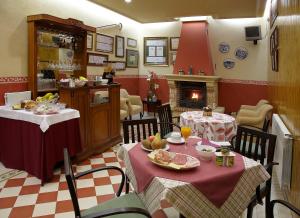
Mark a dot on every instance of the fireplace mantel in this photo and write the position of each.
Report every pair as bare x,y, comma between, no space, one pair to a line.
192,78
211,87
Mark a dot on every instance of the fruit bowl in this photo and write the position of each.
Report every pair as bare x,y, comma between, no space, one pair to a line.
80,83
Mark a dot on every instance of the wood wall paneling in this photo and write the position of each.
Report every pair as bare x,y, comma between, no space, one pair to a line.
284,86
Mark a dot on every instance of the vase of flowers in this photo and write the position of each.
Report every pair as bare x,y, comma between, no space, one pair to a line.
153,85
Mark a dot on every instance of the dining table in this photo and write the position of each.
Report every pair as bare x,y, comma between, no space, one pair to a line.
207,190
34,143
217,127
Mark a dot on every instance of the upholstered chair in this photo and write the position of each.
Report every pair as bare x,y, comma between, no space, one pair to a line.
256,118
124,112
254,107
135,104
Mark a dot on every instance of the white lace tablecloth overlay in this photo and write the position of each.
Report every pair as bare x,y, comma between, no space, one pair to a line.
44,121
188,200
218,127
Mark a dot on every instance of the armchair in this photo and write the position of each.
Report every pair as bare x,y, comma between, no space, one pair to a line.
134,102
255,107
124,111
258,118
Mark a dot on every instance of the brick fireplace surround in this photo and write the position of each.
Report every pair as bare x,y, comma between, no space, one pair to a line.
211,88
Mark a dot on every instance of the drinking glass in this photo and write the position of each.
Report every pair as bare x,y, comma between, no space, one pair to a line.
186,131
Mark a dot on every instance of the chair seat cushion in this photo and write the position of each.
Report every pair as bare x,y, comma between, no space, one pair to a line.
127,200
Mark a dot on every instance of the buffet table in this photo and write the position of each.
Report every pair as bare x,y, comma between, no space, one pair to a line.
205,191
35,143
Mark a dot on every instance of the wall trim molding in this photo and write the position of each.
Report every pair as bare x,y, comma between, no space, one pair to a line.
14,79
250,82
24,79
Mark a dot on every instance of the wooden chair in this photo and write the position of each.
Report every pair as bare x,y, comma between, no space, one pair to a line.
137,130
125,206
254,143
284,203
166,120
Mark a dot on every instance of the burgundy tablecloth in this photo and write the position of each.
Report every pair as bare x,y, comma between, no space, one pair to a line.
216,183
24,146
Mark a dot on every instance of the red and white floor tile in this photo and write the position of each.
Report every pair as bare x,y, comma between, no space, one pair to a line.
23,196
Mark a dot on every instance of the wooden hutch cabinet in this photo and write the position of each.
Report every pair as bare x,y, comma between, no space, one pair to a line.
57,49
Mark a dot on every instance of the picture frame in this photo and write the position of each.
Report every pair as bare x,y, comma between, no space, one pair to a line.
174,42
156,51
132,58
96,59
119,65
172,57
132,43
274,52
104,43
89,41
273,12
120,46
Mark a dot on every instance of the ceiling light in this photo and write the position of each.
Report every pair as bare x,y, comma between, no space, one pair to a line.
127,1
193,18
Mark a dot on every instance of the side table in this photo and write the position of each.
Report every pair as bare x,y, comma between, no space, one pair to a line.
151,105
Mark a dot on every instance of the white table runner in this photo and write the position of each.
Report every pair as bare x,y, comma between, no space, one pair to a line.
44,121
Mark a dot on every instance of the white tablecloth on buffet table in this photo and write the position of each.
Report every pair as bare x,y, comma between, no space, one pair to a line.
44,121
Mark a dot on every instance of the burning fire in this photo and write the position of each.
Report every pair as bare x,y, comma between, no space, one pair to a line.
195,95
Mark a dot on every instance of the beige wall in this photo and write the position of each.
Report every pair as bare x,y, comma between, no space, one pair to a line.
166,29
13,43
254,67
13,15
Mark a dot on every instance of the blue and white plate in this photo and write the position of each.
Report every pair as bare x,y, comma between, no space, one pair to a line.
224,47
241,53
228,63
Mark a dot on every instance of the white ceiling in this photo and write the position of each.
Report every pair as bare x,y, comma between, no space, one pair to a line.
149,11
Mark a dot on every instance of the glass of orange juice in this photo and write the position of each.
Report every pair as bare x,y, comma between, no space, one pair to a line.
186,131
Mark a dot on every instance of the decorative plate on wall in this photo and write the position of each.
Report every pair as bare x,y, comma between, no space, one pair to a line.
224,47
241,53
228,63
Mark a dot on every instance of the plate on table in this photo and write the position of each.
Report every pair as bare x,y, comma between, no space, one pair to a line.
172,141
172,160
166,148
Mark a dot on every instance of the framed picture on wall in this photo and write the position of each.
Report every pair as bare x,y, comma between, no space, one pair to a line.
173,57
156,51
274,49
89,41
104,43
132,58
174,42
95,59
120,47
273,12
131,43
119,65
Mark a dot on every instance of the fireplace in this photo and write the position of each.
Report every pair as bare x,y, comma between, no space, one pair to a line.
192,94
205,88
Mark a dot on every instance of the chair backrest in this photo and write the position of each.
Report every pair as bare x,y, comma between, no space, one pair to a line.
255,144
124,93
165,119
261,102
71,182
137,130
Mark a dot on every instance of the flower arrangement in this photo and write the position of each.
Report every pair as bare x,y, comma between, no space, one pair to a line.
153,85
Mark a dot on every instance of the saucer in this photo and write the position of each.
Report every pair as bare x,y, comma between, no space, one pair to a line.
172,141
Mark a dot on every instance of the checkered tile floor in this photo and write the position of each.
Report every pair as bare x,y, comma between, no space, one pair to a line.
23,195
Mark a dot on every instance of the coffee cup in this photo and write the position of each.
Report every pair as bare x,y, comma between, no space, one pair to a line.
176,136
